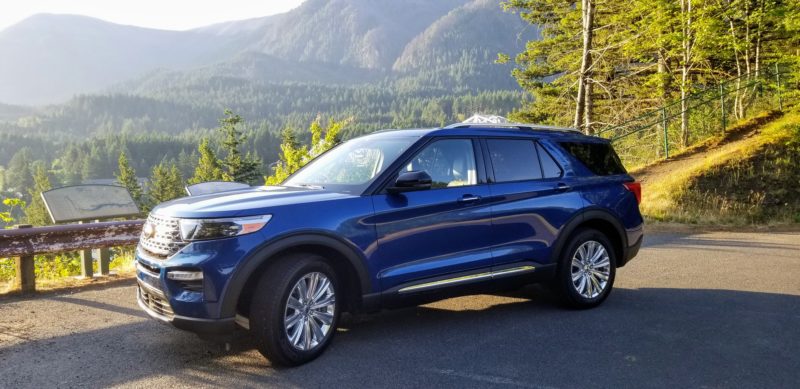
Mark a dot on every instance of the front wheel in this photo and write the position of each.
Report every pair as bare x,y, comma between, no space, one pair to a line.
294,311
586,270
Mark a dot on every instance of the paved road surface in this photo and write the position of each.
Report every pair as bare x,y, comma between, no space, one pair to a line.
703,310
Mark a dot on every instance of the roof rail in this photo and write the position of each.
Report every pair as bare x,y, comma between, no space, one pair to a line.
495,121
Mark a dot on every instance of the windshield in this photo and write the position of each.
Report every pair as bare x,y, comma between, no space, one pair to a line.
351,166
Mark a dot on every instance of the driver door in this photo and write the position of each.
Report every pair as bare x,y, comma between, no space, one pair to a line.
440,233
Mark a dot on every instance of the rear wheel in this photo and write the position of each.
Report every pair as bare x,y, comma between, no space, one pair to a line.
294,312
586,270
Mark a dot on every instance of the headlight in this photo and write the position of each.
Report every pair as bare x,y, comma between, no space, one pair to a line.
205,229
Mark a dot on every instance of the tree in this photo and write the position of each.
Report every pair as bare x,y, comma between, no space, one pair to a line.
18,174
294,156
127,178
235,165
584,102
208,167
166,184
12,204
36,212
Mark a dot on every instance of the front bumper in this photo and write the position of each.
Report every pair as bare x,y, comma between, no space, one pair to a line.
155,304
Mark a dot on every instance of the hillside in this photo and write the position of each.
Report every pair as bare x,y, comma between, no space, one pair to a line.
442,43
749,176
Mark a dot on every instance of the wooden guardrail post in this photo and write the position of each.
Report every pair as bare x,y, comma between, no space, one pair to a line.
103,260
25,281
87,260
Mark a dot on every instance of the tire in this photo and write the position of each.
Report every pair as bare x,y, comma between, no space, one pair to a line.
271,312
573,283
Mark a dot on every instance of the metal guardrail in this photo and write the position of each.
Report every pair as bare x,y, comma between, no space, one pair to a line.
24,241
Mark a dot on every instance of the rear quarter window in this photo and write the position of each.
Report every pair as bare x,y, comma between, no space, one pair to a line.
599,158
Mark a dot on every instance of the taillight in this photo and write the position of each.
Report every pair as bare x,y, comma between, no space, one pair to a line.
636,188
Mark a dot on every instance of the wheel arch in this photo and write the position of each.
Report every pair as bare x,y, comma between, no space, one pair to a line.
349,265
597,219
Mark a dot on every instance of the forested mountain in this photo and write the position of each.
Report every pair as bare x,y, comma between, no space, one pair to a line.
48,58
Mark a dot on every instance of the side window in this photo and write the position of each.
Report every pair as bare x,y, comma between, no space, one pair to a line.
450,163
550,167
599,157
514,160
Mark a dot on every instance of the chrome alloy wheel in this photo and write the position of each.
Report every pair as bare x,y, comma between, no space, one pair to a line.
309,311
591,268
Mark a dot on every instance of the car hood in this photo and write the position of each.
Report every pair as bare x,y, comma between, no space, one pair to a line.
247,202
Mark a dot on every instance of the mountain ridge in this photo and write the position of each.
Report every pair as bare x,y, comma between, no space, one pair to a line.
321,41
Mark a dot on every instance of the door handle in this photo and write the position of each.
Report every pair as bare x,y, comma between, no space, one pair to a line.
562,187
468,198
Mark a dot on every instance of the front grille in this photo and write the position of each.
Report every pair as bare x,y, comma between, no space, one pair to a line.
165,241
155,301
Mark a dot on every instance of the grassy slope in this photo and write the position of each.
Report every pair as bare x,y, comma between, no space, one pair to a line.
749,176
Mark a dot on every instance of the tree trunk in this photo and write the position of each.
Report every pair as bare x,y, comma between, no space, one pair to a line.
583,109
687,43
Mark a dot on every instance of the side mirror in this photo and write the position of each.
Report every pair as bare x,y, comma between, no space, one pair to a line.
411,181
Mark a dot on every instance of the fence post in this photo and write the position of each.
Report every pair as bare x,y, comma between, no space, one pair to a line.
778,86
25,281
86,262
666,134
722,106
103,260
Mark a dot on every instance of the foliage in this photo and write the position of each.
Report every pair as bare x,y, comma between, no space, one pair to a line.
7,216
208,166
647,53
36,213
235,166
294,156
166,184
127,178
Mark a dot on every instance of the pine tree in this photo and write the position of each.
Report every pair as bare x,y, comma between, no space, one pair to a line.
36,212
208,167
235,166
166,183
127,178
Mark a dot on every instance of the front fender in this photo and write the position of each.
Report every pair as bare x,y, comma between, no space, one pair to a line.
234,287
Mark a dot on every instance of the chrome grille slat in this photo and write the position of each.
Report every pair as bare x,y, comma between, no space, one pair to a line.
166,241
156,303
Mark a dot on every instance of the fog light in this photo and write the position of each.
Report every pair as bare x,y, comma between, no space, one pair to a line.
183,275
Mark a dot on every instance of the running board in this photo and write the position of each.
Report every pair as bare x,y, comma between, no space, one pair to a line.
467,278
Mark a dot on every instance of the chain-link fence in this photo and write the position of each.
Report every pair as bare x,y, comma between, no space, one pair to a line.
709,111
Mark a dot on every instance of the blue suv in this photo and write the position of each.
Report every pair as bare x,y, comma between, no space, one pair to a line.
392,218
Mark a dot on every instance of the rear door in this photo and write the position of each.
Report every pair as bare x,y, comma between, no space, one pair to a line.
532,198
440,233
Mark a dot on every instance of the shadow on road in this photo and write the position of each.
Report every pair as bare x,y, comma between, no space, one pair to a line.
639,337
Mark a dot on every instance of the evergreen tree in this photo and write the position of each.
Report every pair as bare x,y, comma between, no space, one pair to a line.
127,178
36,212
294,156
166,183
236,166
18,174
208,167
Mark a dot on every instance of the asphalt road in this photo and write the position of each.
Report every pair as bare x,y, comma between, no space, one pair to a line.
693,310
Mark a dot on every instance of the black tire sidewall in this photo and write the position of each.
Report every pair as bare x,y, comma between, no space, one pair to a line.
566,289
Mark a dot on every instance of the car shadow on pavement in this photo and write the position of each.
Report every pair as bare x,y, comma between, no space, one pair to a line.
652,337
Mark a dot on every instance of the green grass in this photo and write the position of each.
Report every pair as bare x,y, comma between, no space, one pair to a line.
56,271
752,181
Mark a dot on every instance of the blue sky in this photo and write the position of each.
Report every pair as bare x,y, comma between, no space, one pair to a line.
164,14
